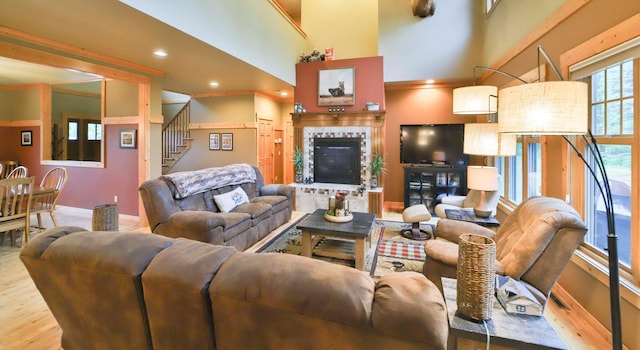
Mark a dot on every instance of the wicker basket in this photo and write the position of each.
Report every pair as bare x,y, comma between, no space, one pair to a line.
105,217
476,276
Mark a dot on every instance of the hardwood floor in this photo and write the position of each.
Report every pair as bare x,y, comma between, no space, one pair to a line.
27,324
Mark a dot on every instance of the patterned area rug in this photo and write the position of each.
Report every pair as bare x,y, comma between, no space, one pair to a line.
389,252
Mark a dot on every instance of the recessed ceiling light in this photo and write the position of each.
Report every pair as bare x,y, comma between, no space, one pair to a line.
160,53
214,84
430,81
284,93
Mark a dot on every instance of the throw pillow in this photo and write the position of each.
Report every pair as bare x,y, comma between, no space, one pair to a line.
227,201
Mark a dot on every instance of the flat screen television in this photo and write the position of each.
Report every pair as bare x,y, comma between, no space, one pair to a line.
434,144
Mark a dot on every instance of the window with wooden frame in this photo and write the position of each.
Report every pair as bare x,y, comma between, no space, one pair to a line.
522,173
614,79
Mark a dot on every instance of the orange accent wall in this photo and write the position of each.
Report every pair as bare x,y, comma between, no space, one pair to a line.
369,82
413,106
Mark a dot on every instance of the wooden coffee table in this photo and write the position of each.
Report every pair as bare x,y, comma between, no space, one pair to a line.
314,227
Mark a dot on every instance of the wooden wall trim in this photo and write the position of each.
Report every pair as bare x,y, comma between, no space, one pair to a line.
287,17
239,125
76,92
144,145
19,123
49,59
244,92
414,85
579,313
121,120
34,39
20,87
156,119
610,38
46,106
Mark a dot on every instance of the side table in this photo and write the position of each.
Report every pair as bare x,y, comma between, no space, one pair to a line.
468,215
506,331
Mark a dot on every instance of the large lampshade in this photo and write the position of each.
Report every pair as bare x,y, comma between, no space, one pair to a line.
483,139
545,108
482,178
477,99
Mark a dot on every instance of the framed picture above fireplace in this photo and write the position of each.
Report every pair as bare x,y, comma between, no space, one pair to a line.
336,87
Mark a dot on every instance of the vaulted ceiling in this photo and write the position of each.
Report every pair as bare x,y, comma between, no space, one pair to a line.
112,28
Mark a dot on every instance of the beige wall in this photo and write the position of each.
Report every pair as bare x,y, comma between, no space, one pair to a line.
444,46
122,98
23,104
223,109
521,17
222,114
350,27
267,108
200,157
253,31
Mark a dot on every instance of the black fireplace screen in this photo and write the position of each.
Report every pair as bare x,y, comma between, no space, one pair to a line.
337,160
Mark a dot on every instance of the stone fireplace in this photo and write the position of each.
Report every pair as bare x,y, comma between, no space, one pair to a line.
343,137
365,127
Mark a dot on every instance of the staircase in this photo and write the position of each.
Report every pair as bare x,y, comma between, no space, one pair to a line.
176,138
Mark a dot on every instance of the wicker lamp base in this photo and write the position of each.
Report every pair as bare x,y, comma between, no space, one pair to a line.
476,276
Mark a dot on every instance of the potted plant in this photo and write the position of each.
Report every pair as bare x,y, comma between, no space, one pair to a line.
376,167
298,163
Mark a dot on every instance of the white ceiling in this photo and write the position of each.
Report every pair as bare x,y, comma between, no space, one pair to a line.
114,29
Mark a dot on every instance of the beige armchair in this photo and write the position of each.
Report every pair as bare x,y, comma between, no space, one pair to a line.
533,245
469,201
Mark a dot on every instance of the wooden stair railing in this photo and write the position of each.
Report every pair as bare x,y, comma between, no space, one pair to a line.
176,138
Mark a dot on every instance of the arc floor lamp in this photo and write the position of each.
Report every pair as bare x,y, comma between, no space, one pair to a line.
552,108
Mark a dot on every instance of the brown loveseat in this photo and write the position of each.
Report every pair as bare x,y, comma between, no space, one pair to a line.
117,290
187,204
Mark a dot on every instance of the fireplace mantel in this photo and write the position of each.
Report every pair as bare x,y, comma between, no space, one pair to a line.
373,119
317,116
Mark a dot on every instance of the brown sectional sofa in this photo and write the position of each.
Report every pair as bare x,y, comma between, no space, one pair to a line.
193,213
117,290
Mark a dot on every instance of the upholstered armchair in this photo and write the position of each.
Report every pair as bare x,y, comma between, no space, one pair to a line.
469,201
533,245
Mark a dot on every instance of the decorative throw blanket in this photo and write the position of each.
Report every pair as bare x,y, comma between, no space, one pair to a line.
197,181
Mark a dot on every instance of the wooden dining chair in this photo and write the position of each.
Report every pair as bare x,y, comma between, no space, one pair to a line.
15,207
50,189
6,167
19,171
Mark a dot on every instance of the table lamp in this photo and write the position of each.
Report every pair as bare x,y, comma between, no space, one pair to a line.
482,178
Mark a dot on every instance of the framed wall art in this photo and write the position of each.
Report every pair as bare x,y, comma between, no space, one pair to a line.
128,138
336,87
26,138
227,142
214,141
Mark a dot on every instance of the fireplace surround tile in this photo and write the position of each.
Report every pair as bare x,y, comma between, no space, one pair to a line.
364,132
